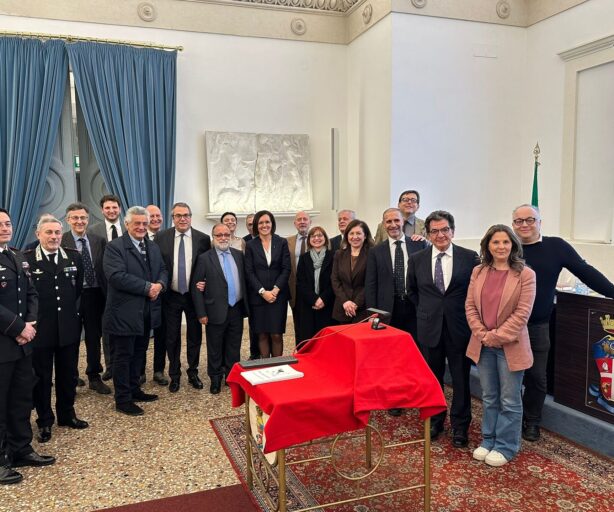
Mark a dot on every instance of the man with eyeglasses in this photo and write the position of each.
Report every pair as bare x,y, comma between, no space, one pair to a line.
547,256
438,278
181,246
409,203
91,247
221,307
18,310
297,245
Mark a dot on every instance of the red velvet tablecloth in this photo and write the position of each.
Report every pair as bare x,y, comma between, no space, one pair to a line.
349,371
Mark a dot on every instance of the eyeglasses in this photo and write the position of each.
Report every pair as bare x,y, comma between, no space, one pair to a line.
411,200
317,235
181,216
222,235
81,217
443,231
529,221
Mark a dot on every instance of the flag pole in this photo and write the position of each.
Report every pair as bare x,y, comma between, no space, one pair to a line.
535,195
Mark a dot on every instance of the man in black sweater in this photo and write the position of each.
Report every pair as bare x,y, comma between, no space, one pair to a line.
547,256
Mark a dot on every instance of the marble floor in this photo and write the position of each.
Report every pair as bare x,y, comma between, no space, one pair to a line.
171,450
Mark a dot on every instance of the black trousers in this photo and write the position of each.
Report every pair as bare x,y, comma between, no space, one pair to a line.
296,321
404,315
174,305
535,378
91,310
159,355
65,360
16,382
128,356
459,365
254,348
224,343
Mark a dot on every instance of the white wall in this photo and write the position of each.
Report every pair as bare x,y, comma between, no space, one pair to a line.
367,182
546,75
457,119
240,84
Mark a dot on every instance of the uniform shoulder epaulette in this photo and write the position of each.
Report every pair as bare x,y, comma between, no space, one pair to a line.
27,251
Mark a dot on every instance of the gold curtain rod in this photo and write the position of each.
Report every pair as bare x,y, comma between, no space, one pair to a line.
91,39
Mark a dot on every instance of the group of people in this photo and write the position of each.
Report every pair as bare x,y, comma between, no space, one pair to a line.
121,282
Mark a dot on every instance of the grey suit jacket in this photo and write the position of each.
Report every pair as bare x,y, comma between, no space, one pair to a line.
97,247
100,230
213,302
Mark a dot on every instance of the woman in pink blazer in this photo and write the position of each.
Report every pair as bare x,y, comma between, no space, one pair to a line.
499,302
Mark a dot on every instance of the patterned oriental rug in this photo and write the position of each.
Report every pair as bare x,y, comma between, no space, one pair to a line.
549,475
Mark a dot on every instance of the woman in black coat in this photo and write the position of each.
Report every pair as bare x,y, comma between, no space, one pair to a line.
267,269
314,292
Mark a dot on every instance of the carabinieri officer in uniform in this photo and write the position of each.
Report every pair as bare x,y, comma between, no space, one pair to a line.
57,273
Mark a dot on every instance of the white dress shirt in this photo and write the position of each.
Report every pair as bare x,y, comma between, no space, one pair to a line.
446,264
108,225
187,243
393,248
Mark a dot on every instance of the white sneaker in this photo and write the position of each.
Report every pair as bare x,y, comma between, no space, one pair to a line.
480,453
495,459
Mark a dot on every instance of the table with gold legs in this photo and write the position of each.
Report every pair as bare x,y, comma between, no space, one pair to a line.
275,467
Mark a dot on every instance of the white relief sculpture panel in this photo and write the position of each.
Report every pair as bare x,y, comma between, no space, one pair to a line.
248,172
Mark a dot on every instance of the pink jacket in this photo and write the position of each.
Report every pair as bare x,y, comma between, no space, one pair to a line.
514,310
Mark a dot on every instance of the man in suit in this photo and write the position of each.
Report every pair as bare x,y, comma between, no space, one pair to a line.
159,357
385,281
297,245
249,225
344,217
18,310
222,306
57,274
136,277
180,247
91,247
438,279
409,203
109,229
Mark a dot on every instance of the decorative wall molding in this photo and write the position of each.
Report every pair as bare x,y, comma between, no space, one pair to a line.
586,49
320,5
146,11
503,9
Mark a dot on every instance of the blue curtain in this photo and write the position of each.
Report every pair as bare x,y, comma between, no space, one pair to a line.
32,84
128,98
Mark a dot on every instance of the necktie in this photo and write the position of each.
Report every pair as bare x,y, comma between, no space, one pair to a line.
439,273
232,291
143,251
398,272
113,232
88,268
303,245
52,260
182,282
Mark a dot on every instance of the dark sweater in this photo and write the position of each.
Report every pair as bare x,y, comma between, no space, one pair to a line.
547,258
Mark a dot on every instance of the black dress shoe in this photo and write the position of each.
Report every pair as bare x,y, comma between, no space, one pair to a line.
129,408
459,438
196,382
173,387
216,385
44,435
144,397
75,423
107,375
531,433
435,431
80,382
100,387
33,459
9,476
395,412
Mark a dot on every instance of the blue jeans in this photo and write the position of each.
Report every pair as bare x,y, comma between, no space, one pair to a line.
502,403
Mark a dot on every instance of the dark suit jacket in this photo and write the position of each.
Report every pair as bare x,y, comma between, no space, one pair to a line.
432,307
379,281
260,275
129,281
18,305
100,229
305,282
165,239
58,322
213,302
335,242
97,245
248,237
348,285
